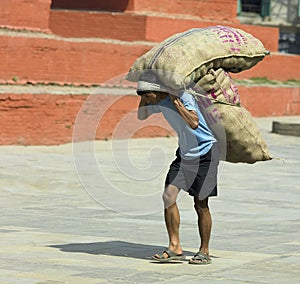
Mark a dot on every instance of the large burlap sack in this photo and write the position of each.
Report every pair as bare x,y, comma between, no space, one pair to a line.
240,140
186,57
243,141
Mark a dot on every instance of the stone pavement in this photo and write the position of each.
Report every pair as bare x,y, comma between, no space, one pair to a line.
56,229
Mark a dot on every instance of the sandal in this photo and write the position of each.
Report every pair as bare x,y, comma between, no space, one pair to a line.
172,256
200,258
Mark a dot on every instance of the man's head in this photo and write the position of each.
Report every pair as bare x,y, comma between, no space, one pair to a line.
151,88
152,97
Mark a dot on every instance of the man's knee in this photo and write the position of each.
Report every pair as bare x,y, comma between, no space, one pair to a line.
170,195
201,205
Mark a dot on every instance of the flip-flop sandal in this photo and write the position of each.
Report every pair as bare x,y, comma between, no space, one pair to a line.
172,256
200,258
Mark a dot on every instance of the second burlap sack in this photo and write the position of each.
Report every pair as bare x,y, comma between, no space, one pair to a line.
239,138
186,57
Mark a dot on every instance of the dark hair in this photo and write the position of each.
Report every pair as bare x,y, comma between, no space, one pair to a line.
140,93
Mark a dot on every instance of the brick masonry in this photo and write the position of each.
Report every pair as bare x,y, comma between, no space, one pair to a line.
141,27
91,48
57,60
206,9
60,60
32,14
49,119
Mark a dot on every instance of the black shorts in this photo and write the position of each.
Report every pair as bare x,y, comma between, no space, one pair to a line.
198,177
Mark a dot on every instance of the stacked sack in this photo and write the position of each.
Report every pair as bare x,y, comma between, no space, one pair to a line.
199,60
186,57
239,137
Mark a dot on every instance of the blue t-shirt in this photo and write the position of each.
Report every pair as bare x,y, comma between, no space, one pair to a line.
193,143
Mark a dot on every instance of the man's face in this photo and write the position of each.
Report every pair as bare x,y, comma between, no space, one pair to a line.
154,97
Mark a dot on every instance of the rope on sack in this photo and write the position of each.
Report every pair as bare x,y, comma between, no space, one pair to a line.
196,94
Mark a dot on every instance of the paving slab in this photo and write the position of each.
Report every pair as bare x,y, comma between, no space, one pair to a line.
62,223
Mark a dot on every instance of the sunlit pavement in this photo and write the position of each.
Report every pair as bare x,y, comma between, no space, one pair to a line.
61,223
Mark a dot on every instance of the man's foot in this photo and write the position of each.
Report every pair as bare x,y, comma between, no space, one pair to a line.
168,256
200,258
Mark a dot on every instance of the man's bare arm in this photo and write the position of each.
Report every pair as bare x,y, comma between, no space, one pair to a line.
190,116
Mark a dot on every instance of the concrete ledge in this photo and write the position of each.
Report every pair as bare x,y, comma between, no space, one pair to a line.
291,129
23,13
212,9
56,59
142,27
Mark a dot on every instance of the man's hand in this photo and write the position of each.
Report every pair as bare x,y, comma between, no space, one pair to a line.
190,116
174,99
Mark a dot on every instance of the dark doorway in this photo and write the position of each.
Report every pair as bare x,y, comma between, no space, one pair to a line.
252,6
92,5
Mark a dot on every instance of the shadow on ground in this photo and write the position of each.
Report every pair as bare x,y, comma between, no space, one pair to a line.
114,248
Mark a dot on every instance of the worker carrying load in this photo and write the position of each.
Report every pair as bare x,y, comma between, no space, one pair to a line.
198,61
186,78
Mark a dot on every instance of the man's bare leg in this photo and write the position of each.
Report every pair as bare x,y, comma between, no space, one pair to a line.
172,218
204,223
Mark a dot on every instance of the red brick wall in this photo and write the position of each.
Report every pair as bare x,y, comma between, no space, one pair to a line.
30,119
206,9
25,14
55,60
48,119
270,101
159,28
278,66
33,119
130,27
121,26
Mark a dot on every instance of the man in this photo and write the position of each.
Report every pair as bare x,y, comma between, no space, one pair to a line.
194,169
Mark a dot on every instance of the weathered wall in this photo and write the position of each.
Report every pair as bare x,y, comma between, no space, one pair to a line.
95,47
93,62
33,119
206,9
56,60
25,14
133,27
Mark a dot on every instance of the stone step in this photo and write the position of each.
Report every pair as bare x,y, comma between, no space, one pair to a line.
46,115
141,27
284,128
278,66
87,24
41,57
206,9
32,14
